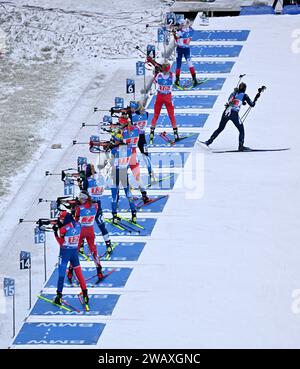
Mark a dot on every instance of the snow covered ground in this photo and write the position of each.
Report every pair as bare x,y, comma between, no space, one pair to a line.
54,49
224,274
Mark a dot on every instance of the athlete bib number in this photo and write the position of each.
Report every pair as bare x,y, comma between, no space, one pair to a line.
87,220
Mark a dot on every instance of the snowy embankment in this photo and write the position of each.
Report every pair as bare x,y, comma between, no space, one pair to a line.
53,52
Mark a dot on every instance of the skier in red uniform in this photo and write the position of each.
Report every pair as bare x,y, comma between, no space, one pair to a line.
85,214
67,233
164,81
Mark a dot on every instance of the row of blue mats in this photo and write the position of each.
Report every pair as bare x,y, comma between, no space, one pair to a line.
103,303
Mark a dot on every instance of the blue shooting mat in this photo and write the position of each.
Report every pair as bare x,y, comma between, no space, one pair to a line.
206,67
221,35
100,304
212,84
117,279
257,10
165,159
158,141
123,205
122,251
216,51
182,120
59,334
189,101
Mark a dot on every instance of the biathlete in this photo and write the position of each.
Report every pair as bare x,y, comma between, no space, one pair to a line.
95,187
164,82
67,233
120,159
85,214
233,106
183,38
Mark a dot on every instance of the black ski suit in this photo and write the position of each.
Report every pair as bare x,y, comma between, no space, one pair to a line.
237,99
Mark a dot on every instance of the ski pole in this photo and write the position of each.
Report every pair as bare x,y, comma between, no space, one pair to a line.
245,115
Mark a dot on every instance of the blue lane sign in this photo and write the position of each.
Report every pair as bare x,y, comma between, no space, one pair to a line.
25,260
39,235
107,119
130,86
81,162
179,17
119,102
170,19
140,68
161,32
54,212
9,287
151,51
69,187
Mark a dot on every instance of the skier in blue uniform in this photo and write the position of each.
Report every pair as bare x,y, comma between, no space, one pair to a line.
95,187
139,118
121,154
235,101
67,233
183,37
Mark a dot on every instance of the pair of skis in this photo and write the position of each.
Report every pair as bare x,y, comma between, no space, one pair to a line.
166,137
189,85
248,149
141,203
66,305
125,224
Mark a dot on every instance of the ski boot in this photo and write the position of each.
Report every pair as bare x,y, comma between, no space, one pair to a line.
99,273
195,82
58,298
145,198
151,135
133,217
207,143
85,296
177,81
152,178
108,247
70,275
115,218
176,136
81,248
243,148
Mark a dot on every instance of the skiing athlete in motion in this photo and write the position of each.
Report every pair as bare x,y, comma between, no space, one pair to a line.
67,233
183,38
233,106
164,83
